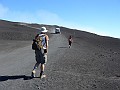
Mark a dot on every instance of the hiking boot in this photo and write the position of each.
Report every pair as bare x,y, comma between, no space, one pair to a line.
33,74
42,76
69,46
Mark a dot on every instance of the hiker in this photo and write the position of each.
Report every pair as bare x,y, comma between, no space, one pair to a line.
41,52
70,40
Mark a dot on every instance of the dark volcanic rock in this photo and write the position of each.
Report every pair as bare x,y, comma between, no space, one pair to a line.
15,31
92,63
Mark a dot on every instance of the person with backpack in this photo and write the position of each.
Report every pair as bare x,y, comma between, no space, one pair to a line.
70,40
40,45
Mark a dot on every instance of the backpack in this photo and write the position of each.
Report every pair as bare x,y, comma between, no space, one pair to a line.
34,45
38,42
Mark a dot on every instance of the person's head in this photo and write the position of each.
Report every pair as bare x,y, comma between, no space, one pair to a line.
70,36
43,30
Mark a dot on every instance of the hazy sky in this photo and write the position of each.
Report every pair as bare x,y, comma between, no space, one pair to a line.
97,16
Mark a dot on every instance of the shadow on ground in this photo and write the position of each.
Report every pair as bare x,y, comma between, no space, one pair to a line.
5,78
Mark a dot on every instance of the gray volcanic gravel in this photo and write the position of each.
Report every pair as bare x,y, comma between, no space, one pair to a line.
92,63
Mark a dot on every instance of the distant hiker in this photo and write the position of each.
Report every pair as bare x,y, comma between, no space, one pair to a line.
41,50
70,40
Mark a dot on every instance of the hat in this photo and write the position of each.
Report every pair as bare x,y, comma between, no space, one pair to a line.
43,29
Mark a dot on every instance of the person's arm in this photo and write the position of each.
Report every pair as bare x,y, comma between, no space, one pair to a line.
71,40
47,39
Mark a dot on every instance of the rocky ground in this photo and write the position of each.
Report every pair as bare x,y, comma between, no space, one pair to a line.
92,63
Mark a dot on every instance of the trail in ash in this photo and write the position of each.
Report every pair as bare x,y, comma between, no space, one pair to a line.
76,68
16,66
